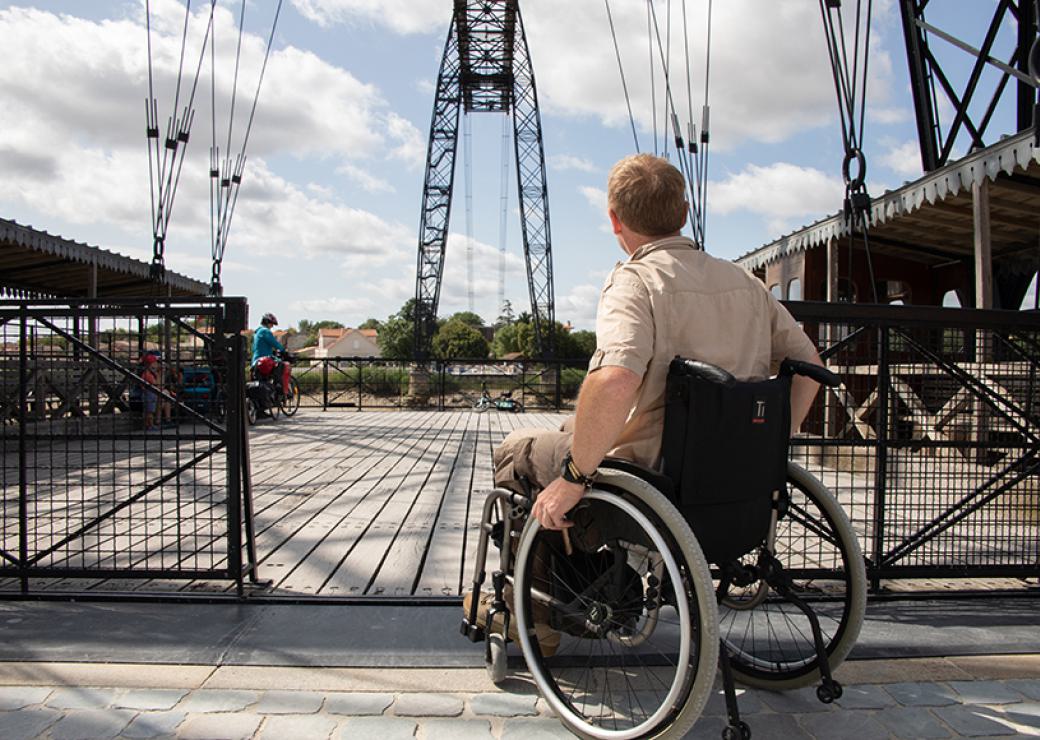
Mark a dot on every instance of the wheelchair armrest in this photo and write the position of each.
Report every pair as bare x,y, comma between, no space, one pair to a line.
703,370
818,373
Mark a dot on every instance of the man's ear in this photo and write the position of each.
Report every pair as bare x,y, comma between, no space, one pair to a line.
615,222
686,209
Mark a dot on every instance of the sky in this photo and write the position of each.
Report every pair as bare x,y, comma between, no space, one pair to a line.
327,217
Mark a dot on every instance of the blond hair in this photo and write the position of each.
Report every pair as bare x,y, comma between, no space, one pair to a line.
648,194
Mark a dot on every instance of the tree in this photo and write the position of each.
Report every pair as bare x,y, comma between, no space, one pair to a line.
397,334
371,324
310,329
469,318
507,316
458,340
585,343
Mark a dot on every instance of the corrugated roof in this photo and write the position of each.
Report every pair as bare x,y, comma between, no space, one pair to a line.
1011,157
35,263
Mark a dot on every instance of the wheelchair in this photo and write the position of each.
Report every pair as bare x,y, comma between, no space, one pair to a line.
732,558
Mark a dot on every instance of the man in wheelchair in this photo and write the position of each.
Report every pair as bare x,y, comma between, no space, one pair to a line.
594,565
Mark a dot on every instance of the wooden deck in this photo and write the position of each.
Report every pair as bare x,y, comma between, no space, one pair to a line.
348,504
374,504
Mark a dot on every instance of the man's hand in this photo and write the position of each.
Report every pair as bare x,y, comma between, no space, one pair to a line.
555,500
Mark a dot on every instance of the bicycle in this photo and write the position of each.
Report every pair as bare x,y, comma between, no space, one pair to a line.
504,402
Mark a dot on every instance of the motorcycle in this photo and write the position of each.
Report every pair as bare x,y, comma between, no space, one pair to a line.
264,395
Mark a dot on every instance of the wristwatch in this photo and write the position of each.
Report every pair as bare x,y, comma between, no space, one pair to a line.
571,474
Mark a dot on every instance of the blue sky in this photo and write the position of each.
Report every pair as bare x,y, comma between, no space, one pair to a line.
327,220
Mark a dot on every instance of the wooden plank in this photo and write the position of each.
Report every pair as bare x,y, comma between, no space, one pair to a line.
385,512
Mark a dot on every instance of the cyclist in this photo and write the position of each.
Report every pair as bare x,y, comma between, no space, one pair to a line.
266,345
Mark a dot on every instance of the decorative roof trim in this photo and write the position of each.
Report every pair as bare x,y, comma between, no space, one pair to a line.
1007,156
41,241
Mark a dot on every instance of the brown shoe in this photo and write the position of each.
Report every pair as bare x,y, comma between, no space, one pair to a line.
548,638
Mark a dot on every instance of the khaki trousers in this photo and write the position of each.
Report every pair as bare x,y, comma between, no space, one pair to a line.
535,454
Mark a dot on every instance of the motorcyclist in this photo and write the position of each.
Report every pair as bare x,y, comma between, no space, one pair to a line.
266,345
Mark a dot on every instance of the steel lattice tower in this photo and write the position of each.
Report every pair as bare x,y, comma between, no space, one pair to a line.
486,67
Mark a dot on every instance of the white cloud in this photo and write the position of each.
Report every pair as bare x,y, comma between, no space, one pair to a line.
578,305
597,197
903,159
781,192
402,16
570,162
369,182
352,306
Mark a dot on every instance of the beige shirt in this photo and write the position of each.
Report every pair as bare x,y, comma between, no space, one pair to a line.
671,299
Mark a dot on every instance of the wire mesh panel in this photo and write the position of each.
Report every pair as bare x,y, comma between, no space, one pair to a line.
118,456
931,441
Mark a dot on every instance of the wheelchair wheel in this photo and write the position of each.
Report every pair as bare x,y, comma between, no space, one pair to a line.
496,661
632,603
770,639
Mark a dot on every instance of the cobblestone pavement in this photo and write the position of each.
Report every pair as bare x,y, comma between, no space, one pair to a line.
913,699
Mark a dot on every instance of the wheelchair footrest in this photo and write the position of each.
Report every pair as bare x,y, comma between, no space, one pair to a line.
472,632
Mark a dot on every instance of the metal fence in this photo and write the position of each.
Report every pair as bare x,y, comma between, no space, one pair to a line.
931,442
372,383
88,491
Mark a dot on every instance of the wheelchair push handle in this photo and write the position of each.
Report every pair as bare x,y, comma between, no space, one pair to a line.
819,373
702,370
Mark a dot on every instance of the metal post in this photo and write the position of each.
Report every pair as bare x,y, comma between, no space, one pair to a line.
23,482
234,436
360,384
559,380
880,459
325,384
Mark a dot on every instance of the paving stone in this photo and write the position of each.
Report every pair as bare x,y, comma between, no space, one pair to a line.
504,705
149,700
383,728
1028,687
427,705
851,725
91,724
17,697
289,702
985,692
534,729
748,702
865,697
237,726
310,726
83,698
920,694
457,729
973,721
358,705
912,723
799,701
217,700
763,727
154,724
27,723
1026,714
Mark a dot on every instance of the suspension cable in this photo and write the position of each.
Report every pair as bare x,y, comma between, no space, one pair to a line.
467,162
504,214
653,91
621,69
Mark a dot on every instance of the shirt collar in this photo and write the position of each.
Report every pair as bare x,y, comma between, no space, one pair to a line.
668,242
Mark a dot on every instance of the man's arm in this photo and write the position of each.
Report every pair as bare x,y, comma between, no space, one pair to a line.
803,391
605,400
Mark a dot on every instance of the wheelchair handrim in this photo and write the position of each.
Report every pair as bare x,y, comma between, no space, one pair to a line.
682,606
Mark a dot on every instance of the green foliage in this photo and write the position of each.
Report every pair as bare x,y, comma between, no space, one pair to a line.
397,334
458,340
507,316
519,337
585,344
469,318
371,324
310,329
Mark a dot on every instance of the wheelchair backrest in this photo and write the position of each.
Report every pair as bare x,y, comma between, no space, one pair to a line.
725,448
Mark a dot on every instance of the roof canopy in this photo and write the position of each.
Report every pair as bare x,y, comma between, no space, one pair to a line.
37,264
931,220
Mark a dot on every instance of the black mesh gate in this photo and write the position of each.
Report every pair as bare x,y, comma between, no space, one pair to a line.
123,441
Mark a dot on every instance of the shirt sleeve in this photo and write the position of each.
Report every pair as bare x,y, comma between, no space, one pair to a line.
624,326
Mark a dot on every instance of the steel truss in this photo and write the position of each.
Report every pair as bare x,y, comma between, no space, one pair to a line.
937,141
486,67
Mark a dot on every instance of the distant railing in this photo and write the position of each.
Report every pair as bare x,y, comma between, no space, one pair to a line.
373,383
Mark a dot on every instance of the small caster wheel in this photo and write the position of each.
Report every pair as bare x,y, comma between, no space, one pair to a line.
745,730
496,658
828,692
729,732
